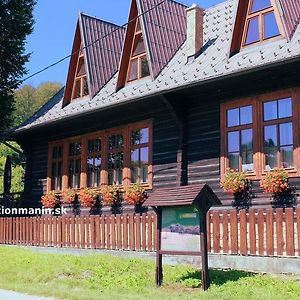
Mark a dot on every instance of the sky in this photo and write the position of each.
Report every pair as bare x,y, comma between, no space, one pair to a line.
54,30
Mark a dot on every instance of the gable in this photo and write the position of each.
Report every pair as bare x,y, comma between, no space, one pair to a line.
162,37
101,44
262,20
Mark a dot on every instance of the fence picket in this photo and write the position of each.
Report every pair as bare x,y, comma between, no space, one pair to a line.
233,232
261,232
216,231
243,232
289,223
279,231
252,232
270,232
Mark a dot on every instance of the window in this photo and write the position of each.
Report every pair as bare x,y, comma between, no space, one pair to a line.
115,159
115,156
80,87
240,138
139,155
278,134
138,64
260,134
56,167
93,162
261,22
74,164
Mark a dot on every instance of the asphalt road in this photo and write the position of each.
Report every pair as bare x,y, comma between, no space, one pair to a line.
8,295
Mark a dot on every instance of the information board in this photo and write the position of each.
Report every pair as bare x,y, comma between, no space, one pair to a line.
180,229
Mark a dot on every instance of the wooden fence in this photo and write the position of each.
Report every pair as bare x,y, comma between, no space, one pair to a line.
262,232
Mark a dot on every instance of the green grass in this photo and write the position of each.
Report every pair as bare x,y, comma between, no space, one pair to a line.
107,277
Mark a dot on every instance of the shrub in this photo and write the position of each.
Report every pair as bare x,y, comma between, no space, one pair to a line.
69,196
110,194
235,182
87,197
50,200
135,194
276,181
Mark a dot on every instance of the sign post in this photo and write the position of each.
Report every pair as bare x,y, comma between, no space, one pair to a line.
181,224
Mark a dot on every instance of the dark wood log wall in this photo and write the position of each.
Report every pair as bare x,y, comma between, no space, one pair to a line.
203,123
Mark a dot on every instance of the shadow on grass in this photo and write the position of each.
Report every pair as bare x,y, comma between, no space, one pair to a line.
217,277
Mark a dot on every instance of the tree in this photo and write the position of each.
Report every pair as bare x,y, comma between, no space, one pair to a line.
17,167
29,99
16,22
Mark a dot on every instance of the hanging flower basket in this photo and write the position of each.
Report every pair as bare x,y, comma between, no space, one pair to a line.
50,200
110,195
69,196
135,194
87,197
240,186
276,183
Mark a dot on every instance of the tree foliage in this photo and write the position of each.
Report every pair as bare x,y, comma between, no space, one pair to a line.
16,22
17,167
29,99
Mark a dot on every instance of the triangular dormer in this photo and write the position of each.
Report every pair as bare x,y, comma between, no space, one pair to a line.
138,66
151,40
95,57
257,21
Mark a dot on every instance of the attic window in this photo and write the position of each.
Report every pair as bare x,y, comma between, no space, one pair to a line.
80,87
261,22
138,63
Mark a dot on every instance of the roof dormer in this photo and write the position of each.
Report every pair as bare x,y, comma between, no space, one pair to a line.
95,57
259,21
151,38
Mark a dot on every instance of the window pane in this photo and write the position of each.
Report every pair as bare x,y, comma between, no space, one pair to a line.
89,167
271,147
133,70
85,87
97,170
285,108
134,165
77,173
145,155
234,161
233,141
286,134
246,115
233,118
270,26
140,136
247,150
259,5
144,173
252,31
77,89
145,71
53,176
81,67
286,156
59,176
270,110
140,47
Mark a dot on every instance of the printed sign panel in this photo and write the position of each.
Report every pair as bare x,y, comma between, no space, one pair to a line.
180,229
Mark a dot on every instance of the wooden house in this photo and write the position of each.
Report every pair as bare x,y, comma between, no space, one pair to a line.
176,98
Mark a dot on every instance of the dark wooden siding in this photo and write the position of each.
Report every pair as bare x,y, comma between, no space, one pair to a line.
165,141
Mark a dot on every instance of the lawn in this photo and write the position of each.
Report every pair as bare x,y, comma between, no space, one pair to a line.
107,277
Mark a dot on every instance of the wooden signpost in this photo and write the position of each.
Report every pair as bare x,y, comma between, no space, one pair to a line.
181,224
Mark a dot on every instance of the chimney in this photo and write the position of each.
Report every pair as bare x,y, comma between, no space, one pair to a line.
194,30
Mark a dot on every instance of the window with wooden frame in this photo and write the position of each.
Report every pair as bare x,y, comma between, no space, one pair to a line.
138,64
239,132
140,154
262,22
115,160
56,167
94,162
261,134
74,163
119,156
80,86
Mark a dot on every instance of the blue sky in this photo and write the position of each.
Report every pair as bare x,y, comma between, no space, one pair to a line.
54,29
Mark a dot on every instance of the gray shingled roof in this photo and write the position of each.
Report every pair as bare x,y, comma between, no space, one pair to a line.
214,62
